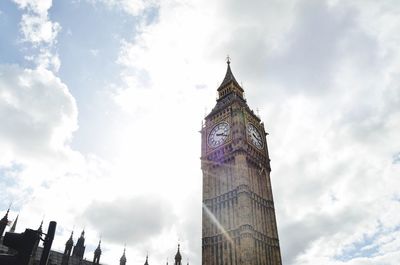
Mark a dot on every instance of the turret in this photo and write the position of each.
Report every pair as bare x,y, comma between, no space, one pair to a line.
178,257
79,249
97,254
122,260
68,250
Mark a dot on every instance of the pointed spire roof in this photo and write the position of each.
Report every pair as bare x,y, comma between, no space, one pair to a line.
5,217
81,240
229,77
40,229
14,226
147,260
178,256
123,257
98,249
70,240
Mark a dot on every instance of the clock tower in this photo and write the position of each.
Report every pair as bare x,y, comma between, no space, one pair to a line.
239,225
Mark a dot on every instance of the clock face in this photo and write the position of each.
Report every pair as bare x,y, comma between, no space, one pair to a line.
254,136
218,134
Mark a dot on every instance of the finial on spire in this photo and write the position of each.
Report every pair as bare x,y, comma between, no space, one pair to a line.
228,59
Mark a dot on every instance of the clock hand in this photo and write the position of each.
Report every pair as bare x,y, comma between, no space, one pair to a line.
221,134
256,137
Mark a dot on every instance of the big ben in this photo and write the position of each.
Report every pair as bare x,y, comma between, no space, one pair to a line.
238,222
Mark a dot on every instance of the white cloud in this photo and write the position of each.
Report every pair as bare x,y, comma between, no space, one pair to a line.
38,29
40,7
38,112
132,7
40,32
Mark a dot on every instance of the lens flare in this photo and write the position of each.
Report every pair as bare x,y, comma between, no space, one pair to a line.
217,223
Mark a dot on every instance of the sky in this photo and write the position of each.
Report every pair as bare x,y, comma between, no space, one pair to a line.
101,103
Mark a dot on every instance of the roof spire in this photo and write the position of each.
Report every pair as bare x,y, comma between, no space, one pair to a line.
41,226
178,256
229,78
70,241
8,211
98,249
14,226
122,260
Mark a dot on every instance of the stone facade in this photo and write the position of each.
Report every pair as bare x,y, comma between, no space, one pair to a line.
239,226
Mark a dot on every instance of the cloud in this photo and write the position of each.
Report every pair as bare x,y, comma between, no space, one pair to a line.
133,221
39,116
39,32
134,8
38,113
327,88
38,29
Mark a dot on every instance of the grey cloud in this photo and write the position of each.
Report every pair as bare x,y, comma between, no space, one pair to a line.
312,46
133,221
299,235
311,39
